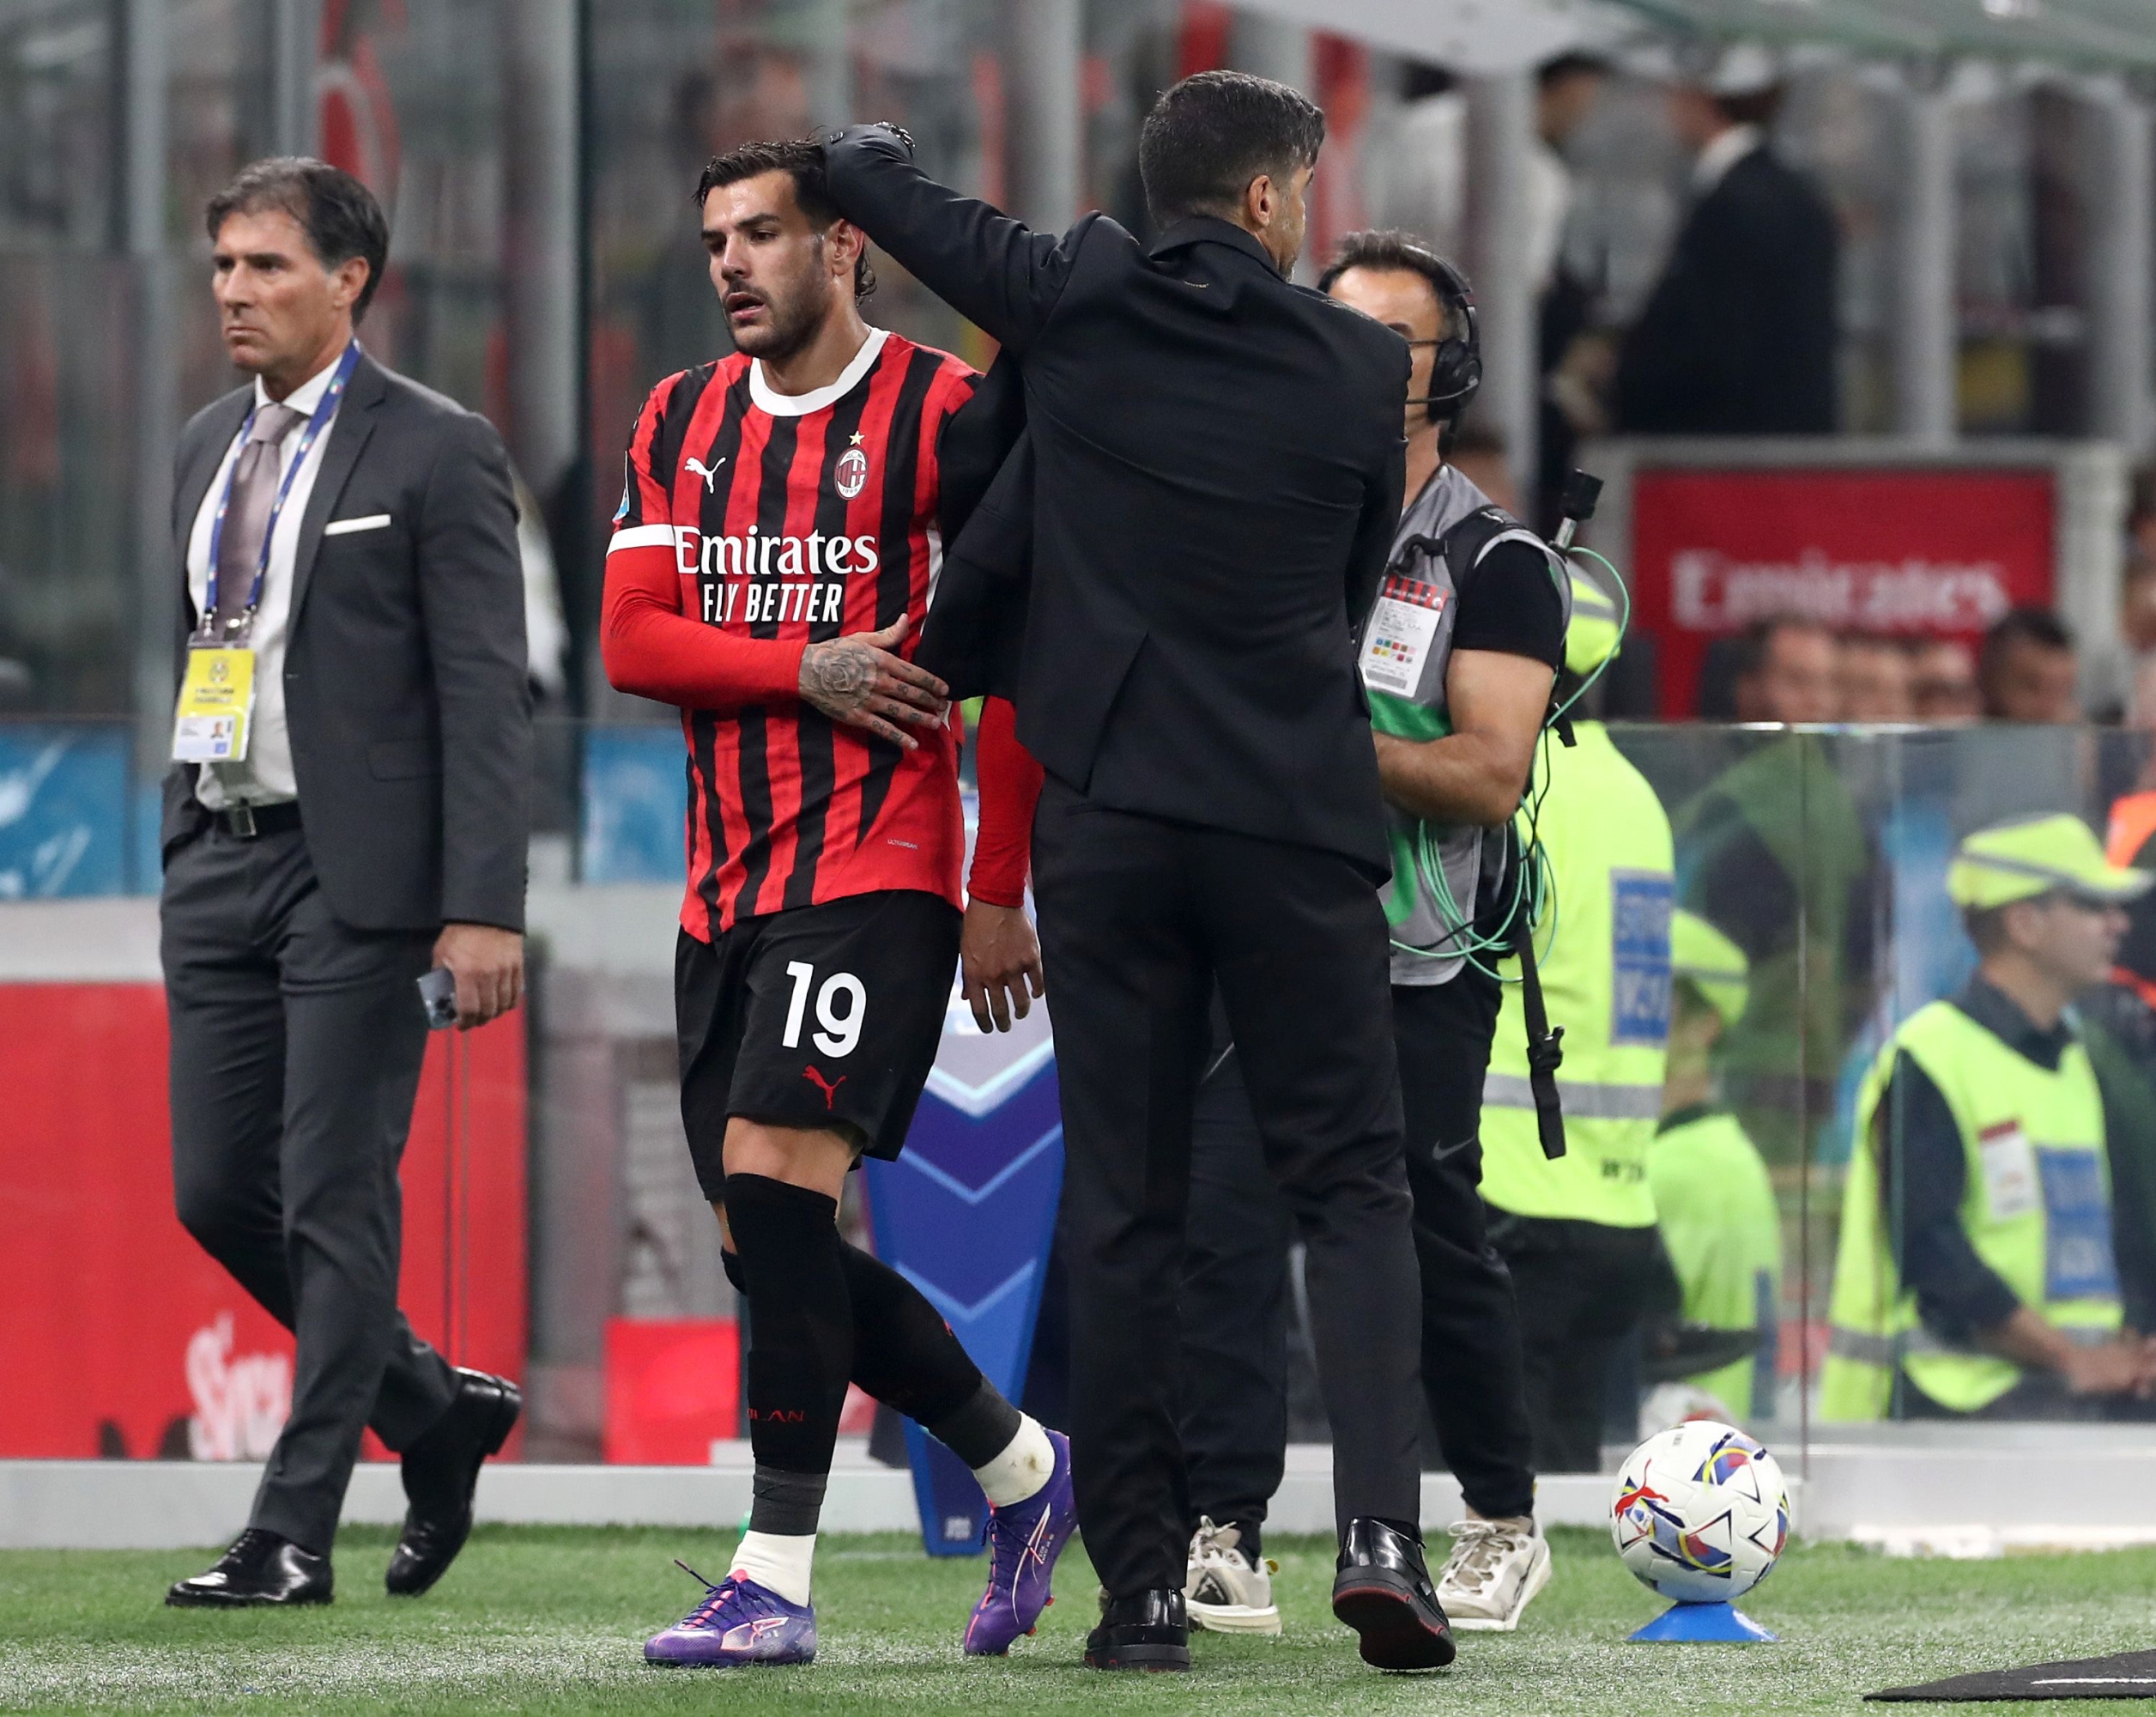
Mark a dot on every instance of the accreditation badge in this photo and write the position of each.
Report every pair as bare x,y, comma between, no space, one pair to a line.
216,706
1402,627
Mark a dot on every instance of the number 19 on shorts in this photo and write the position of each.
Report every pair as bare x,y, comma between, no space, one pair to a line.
841,1031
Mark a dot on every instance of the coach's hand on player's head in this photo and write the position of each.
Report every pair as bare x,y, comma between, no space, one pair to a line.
861,681
488,966
998,959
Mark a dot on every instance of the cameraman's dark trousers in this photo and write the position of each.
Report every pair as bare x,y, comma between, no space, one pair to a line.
1139,917
1235,1285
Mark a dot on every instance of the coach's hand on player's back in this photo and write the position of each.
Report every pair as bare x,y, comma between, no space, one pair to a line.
861,681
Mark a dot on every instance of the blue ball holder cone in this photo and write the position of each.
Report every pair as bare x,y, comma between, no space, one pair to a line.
1704,1624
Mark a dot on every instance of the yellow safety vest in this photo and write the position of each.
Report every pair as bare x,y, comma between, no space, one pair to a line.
1716,1206
2036,1206
1606,978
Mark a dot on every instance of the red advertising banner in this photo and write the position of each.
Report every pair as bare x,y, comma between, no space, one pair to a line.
1916,552
123,1338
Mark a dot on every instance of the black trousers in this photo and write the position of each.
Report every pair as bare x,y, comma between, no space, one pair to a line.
1139,918
1235,1286
1582,1289
296,1046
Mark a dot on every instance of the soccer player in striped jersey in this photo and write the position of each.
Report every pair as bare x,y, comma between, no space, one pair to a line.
774,555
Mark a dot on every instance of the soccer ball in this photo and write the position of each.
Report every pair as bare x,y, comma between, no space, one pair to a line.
1700,1513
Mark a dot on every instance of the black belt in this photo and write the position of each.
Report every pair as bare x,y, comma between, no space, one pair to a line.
246,821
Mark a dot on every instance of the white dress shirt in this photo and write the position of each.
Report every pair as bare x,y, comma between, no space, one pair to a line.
1713,163
266,777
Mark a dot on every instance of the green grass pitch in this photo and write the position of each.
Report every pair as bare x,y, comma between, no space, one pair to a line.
537,1619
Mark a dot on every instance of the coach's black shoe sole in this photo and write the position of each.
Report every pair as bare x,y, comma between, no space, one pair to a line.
1400,1629
1155,1650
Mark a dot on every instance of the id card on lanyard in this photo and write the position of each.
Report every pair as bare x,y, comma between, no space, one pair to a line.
215,717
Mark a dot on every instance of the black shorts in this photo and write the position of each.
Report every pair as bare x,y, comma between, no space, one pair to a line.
819,1017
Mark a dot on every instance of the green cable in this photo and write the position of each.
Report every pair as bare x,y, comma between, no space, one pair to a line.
1530,875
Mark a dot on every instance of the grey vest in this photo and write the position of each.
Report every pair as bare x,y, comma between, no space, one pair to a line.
1404,651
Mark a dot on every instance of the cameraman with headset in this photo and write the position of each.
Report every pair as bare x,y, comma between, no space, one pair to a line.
1459,657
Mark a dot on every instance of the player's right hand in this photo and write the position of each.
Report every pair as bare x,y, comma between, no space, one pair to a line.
861,681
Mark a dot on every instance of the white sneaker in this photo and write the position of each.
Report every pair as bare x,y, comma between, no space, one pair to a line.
1224,1591
1496,1567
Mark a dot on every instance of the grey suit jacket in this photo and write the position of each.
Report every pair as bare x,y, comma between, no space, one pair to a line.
404,682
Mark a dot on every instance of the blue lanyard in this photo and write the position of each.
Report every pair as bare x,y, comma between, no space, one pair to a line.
324,412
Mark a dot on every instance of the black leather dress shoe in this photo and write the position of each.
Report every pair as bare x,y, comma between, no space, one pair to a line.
1382,1591
260,1568
1148,1629
441,1472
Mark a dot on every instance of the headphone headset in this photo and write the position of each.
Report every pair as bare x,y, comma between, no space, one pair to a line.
1455,369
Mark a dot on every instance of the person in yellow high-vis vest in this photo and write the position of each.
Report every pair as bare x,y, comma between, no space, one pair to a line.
1714,1201
1579,1233
1977,1273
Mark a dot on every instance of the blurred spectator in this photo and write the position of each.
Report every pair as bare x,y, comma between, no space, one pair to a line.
2027,671
1877,678
2137,633
1565,91
1980,1272
2141,519
1776,855
1943,683
1739,336
1786,669
1713,1201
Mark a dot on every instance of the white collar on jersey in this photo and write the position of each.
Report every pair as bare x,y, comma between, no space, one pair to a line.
766,398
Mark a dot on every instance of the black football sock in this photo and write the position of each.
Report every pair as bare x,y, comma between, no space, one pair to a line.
801,1343
905,1357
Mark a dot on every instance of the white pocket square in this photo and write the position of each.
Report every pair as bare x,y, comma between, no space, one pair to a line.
343,527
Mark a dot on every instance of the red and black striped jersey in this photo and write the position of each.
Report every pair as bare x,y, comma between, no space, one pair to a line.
752,524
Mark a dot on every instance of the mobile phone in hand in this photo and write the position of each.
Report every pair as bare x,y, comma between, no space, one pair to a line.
437,995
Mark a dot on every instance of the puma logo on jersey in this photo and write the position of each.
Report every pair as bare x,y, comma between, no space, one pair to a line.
829,1088
709,473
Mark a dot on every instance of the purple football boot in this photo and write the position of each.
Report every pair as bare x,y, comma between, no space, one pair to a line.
739,1622
1024,1541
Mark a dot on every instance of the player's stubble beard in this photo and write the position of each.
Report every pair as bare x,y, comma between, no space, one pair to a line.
797,311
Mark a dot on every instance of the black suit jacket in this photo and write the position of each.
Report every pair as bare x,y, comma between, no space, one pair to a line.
405,692
1217,464
1738,337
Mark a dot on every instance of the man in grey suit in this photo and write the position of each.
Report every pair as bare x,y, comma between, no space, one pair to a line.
348,542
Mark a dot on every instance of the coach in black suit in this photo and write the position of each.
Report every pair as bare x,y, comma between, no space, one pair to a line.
1738,337
357,533
1217,471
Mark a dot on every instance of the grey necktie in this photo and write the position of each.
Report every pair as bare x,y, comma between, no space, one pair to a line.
254,491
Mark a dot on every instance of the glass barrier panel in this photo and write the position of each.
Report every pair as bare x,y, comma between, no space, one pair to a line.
1900,1123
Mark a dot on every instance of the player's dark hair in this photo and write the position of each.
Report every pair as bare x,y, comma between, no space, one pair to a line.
801,161
1210,136
338,214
